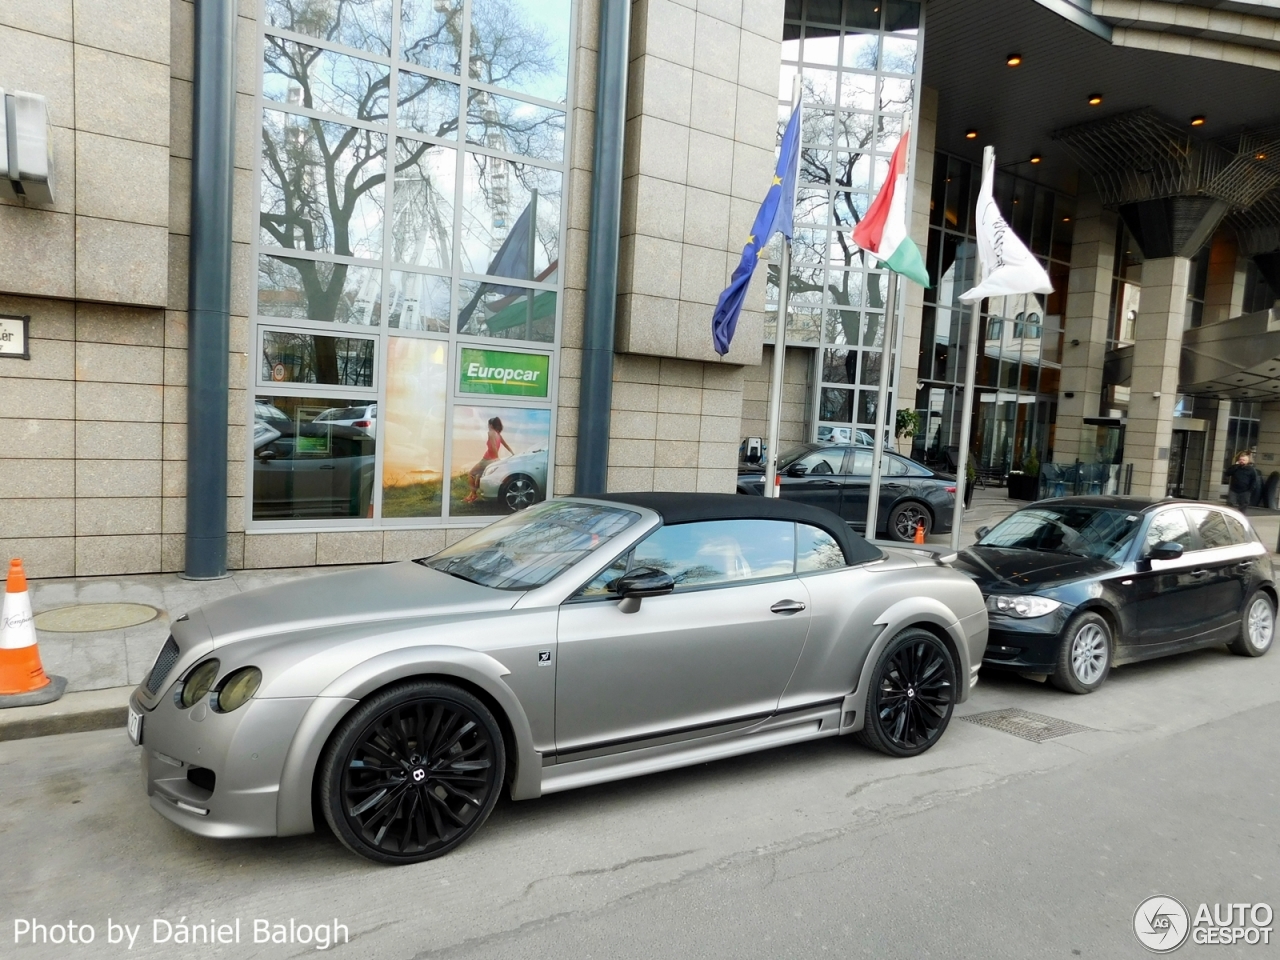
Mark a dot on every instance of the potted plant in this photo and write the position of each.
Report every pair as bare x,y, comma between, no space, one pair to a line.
1024,479
906,425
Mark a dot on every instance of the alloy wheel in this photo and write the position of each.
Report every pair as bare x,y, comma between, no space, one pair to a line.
417,778
914,694
520,493
1088,653
1262,623
907,519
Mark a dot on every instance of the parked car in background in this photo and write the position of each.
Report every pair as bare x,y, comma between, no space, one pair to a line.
838,478
574,643
310,470
362,418
516,482
1078,585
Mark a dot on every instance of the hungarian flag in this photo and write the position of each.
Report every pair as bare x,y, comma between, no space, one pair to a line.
883,231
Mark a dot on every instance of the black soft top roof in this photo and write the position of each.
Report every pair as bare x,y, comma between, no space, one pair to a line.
686,507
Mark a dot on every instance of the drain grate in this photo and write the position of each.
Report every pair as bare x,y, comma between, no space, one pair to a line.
1029,726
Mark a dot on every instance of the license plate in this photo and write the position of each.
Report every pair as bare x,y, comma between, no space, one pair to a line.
135,726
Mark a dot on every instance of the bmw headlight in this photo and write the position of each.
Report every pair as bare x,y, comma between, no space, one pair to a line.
235,691
199,682
1022,607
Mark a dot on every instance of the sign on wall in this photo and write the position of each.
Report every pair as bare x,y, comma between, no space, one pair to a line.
502,373
15,337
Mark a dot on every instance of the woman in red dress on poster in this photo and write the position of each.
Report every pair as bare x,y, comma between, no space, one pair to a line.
492,448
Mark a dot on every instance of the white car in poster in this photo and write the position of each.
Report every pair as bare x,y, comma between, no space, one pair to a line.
516,482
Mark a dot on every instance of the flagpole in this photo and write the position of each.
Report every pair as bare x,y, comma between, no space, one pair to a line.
780,338
970,372
882,404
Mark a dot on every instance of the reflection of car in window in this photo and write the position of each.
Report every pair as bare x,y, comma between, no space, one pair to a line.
310,470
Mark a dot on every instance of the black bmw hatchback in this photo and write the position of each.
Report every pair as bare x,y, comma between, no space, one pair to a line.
1077,585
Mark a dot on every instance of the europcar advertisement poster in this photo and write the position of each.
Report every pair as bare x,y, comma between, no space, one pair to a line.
499,459
413,465
503,373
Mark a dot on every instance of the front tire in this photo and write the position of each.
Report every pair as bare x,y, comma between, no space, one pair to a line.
518,492
412,772
912,694
1257,627
905,517
1084,657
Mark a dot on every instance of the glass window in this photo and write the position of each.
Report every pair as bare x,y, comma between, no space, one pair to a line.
1169,526
1212,527
1239,532
307,463
422,228
431,34
362,24
893,467
510,219
294,357
861,463
297,289
719,551
515,126
522,45
427,105
602,586
418,301
322,80
823,462
1078,530
530,548
413,467
816,550
506,312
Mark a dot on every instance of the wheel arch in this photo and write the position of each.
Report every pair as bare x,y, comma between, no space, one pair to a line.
471,670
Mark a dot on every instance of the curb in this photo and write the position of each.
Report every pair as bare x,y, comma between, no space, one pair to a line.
74,713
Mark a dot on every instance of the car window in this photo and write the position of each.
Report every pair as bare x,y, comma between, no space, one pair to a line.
861,463
1084,531
816,550
893,467
529,548
1170,526
1212,527
708,552
601,585
824,462
1239,532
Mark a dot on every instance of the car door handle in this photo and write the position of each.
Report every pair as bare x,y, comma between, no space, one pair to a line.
1200,573
787,606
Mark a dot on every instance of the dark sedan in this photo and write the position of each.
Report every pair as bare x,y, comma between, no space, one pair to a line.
838,478
1077,585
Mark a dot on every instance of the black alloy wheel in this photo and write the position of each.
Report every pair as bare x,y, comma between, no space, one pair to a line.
912,694
412,772
905,517
518,492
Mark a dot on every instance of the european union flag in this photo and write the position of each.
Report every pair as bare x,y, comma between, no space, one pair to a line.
775,216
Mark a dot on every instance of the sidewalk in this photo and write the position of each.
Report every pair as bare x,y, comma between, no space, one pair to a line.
102,666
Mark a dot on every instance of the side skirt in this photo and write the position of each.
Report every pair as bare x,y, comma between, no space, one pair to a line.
809,723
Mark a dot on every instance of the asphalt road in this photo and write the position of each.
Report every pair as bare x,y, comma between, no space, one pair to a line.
988,846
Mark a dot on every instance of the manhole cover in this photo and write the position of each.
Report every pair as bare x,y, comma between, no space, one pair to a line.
93,617
1027,725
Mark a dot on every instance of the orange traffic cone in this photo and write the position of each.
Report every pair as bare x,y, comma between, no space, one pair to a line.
919,537
23,681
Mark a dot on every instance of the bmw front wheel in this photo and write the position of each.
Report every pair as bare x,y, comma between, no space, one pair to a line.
1084,657
1257,627
412,772
913,691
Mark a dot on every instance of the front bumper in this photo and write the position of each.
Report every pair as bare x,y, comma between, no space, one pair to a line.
218,775
1029,646
489,485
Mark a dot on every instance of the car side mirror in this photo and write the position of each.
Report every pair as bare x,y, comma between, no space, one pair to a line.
640,583
981,532
797,470
265,455
1165,550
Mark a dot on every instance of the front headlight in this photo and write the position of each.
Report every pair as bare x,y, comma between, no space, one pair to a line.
491,468
199,682
236,690
1022,607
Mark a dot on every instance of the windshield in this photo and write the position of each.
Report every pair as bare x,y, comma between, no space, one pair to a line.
1080,531
529,548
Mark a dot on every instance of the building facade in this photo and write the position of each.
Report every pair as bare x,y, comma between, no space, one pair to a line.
411,233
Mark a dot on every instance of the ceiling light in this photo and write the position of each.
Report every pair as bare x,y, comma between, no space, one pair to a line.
1066,219
1095,99
1197,120
971,134
1259,156
1013,59
1036,158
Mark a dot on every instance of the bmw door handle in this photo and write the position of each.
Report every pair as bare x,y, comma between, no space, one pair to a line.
787,606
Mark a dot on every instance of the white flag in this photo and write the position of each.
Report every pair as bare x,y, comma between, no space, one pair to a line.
1008,267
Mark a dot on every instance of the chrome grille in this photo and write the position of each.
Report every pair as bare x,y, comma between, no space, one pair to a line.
164,663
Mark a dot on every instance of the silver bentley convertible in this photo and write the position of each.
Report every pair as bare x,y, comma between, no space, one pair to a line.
579,641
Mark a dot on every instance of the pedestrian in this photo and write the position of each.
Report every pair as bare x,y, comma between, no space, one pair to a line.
492,447
1244,483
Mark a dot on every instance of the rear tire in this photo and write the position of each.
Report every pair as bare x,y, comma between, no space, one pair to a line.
904,518
1257,626
412,772
1084,656
913,691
